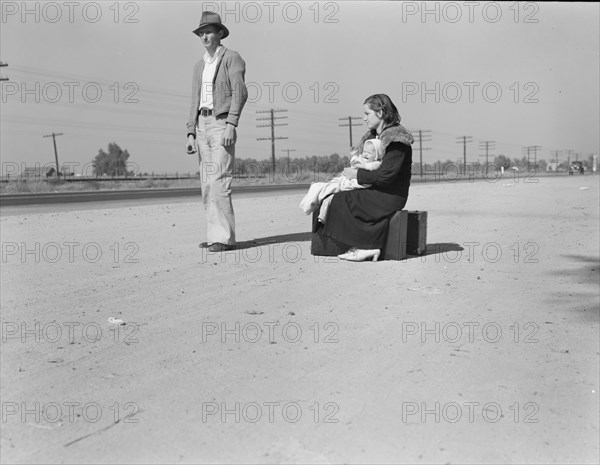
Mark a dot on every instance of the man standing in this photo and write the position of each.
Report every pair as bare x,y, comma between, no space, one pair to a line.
218,97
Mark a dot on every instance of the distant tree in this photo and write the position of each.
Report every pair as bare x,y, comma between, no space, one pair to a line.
525,162
502,161
542,165
113,163
336,162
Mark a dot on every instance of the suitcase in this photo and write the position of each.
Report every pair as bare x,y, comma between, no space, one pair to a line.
416,235
395,243
407,235
323,245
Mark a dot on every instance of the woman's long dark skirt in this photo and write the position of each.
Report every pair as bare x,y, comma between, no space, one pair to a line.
360,218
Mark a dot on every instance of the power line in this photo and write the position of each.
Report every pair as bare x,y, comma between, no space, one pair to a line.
170,100
350,124
53,135
272,118
164,104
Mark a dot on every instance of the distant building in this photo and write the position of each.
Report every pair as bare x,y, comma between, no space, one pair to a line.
52,172
39,172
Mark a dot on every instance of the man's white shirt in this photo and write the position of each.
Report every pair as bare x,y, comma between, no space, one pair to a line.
208,75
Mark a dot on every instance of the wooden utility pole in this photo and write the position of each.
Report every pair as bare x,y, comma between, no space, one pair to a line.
535,149
288,153
464,141
422,133
350,124
489,145
529,149
272,124
53,135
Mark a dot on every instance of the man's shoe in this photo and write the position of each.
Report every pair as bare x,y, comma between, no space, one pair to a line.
218,247
204,245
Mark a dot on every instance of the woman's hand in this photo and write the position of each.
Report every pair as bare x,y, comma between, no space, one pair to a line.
359,164
350,173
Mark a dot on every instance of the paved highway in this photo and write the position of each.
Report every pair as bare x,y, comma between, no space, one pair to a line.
8,200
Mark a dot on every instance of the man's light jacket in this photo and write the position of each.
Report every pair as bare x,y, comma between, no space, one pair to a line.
229,89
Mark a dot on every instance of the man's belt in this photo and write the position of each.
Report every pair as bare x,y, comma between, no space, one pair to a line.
205,112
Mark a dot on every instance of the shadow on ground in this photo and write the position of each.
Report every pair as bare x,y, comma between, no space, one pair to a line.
437,248
587,273
442,247
582,297
431,249
295,237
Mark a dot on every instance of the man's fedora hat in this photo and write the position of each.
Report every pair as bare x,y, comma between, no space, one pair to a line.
211,19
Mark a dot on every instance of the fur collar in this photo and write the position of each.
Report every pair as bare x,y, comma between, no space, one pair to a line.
391,134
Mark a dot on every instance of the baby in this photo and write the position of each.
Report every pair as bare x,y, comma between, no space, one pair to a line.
320,192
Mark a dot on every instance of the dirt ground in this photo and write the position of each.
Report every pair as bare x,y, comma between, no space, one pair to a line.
483,351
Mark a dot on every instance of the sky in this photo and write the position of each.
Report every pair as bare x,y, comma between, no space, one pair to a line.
515,74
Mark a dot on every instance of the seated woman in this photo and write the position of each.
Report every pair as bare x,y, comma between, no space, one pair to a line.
360,218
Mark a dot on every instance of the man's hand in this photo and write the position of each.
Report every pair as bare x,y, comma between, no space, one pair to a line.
350,173
228,135
191,145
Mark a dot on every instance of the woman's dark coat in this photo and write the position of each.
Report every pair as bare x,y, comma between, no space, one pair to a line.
360,218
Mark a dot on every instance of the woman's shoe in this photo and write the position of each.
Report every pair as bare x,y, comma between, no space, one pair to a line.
351,253
360,255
